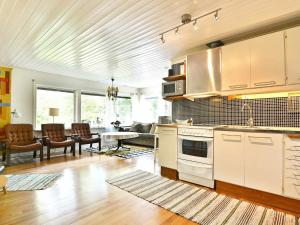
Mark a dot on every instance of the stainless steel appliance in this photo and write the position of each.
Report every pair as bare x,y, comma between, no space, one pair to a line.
195,154
173,88
203,77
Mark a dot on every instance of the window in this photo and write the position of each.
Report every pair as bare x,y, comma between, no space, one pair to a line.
51,98
124,110
151,109
93,109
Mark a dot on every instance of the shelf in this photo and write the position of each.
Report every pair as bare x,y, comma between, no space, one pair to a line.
175,77
174,98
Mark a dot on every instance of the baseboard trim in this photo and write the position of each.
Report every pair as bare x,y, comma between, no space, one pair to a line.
263,198
169,173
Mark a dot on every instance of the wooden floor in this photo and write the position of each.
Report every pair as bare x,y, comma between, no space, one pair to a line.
82,196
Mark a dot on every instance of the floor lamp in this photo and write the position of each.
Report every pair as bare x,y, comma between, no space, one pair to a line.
15,115
53,112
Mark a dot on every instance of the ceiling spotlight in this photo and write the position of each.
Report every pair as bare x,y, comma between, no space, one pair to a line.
162,39
217,15
195,25
187,19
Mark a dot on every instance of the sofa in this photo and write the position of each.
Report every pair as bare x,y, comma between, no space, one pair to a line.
146,134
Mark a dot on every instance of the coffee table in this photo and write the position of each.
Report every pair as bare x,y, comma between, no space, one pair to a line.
119,136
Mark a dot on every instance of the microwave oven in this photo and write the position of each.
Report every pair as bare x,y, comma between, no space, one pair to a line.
173,88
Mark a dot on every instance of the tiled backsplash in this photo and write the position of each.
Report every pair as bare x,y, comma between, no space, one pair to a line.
219,110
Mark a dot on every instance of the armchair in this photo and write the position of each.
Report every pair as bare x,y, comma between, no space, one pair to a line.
54,137
84,135
19,138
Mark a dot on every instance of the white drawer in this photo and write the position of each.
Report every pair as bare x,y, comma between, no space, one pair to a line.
291,141
196,169
291,188
292,151
291,164
292,173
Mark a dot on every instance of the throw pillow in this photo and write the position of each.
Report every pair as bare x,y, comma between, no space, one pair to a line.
146,127
152,131
135,127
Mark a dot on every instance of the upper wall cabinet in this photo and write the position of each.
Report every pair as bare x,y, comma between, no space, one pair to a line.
267,60
236,66
293,55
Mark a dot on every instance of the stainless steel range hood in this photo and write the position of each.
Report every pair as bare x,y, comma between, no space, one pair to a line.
203,78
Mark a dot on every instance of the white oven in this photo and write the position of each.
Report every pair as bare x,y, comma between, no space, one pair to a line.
195,155
195,149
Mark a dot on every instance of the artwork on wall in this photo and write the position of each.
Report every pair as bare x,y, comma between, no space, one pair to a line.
5,98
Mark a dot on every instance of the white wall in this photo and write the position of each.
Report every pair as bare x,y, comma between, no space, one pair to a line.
22,89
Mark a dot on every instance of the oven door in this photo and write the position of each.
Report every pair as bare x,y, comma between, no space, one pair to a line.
197,149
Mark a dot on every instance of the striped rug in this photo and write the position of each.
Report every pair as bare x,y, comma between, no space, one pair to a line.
199,205
30,182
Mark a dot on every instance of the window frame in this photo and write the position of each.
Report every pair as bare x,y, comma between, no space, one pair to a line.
37,87
91,93
124,97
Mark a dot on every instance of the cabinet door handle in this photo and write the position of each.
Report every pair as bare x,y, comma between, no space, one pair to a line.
239,86
231,137
267,83
298,185
260,140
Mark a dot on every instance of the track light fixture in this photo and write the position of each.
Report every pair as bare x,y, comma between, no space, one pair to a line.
195,25
186,19
162,39
216,15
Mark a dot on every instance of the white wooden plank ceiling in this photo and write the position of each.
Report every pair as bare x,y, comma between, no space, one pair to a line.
98,39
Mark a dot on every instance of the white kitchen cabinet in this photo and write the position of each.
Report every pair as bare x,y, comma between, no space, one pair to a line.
236,66
167,153
264,162
229,157
292,48
267,60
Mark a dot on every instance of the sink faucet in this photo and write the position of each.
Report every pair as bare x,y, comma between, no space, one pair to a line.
250,121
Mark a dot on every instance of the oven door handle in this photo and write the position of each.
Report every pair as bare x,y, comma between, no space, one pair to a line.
199,165
193,138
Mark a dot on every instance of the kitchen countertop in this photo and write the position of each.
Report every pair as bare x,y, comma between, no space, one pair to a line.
239,128
258,129
172,125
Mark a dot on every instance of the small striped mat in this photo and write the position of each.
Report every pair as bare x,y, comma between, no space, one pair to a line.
199,205
30,182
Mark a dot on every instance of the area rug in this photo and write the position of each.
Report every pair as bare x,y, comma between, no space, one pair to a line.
134,151
196,204
30,182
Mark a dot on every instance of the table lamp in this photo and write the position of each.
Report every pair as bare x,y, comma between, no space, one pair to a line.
53,112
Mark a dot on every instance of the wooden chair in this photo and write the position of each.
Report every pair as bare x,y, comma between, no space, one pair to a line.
84,136
19,138
54,137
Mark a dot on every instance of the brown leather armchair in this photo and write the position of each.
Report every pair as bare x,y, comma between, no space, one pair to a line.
83,135
54,137
19,138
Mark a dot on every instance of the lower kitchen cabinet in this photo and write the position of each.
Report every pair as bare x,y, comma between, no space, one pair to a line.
168,147
292,167
253,160
264,162
229,157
